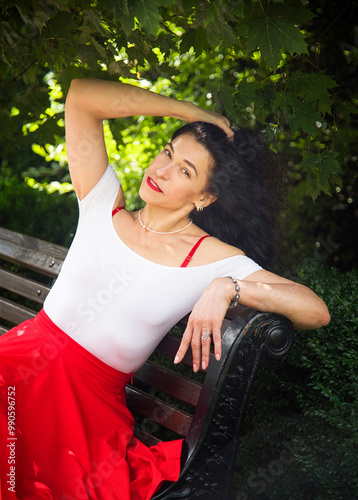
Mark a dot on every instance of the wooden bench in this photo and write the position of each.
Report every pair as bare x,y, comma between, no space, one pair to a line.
167,400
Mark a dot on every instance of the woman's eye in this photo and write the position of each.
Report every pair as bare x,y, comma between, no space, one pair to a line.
169,155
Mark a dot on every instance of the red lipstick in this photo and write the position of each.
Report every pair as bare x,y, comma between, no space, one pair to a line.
153,185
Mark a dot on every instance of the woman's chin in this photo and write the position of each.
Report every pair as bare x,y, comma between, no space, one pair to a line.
147,196
142,193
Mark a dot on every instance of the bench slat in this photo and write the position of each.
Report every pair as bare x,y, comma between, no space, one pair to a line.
146,438
24,240
13,312
32,259
165,380
169,346
23,286
161,413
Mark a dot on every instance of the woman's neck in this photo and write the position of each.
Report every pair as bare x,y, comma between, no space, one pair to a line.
164,221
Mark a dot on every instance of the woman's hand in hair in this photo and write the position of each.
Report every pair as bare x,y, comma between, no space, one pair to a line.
206,318
196,114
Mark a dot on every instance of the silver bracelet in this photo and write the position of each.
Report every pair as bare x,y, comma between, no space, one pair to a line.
235,300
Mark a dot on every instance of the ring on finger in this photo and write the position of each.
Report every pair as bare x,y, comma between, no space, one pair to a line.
205,336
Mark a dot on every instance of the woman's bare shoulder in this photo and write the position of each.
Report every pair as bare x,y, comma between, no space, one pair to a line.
213,249
224,249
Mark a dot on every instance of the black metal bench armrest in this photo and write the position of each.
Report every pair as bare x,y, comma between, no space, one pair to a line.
211,444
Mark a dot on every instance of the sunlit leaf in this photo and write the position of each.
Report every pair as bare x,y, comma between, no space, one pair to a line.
147,13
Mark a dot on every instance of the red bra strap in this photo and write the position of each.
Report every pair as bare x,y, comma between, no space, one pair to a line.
117,210
193,250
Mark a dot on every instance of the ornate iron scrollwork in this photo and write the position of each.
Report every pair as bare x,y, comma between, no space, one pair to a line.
208,470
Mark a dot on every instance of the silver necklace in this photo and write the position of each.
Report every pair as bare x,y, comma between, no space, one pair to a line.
160,232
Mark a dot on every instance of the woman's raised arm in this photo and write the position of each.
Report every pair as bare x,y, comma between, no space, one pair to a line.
89,102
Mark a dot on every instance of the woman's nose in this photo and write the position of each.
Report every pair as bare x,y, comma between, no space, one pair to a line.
164,170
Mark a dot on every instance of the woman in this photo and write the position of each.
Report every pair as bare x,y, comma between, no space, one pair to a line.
127,279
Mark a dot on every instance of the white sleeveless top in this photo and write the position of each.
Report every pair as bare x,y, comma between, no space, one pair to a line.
115,303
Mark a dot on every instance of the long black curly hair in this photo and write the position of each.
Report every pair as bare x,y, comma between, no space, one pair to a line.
247,180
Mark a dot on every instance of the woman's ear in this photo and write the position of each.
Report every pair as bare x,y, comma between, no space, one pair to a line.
207,199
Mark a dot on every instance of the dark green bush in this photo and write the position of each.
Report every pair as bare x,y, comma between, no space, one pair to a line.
300,437
36,213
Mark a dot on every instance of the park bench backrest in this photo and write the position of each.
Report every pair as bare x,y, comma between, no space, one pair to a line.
167,400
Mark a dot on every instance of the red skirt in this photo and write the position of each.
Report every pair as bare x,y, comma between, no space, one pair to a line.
65,429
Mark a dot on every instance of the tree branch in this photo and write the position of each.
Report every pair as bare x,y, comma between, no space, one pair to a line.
15,77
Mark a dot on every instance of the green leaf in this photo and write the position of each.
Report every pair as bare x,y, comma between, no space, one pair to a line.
101,50
299,115
225,98
313,87
125,7
328,165
319,81
320,168
303,116
345,110
63,26
264,95
30,75
246,94
85,34
165,43
237,8
212,15
114,68
147,13
194,38
127,24
274,29
220,32
93,16
22,11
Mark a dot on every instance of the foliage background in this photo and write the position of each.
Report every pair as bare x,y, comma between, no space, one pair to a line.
301,430
243,57
287,68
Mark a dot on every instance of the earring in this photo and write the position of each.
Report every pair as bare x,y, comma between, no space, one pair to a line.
199,208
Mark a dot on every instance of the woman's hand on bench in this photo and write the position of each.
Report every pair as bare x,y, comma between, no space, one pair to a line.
261,290
205,321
